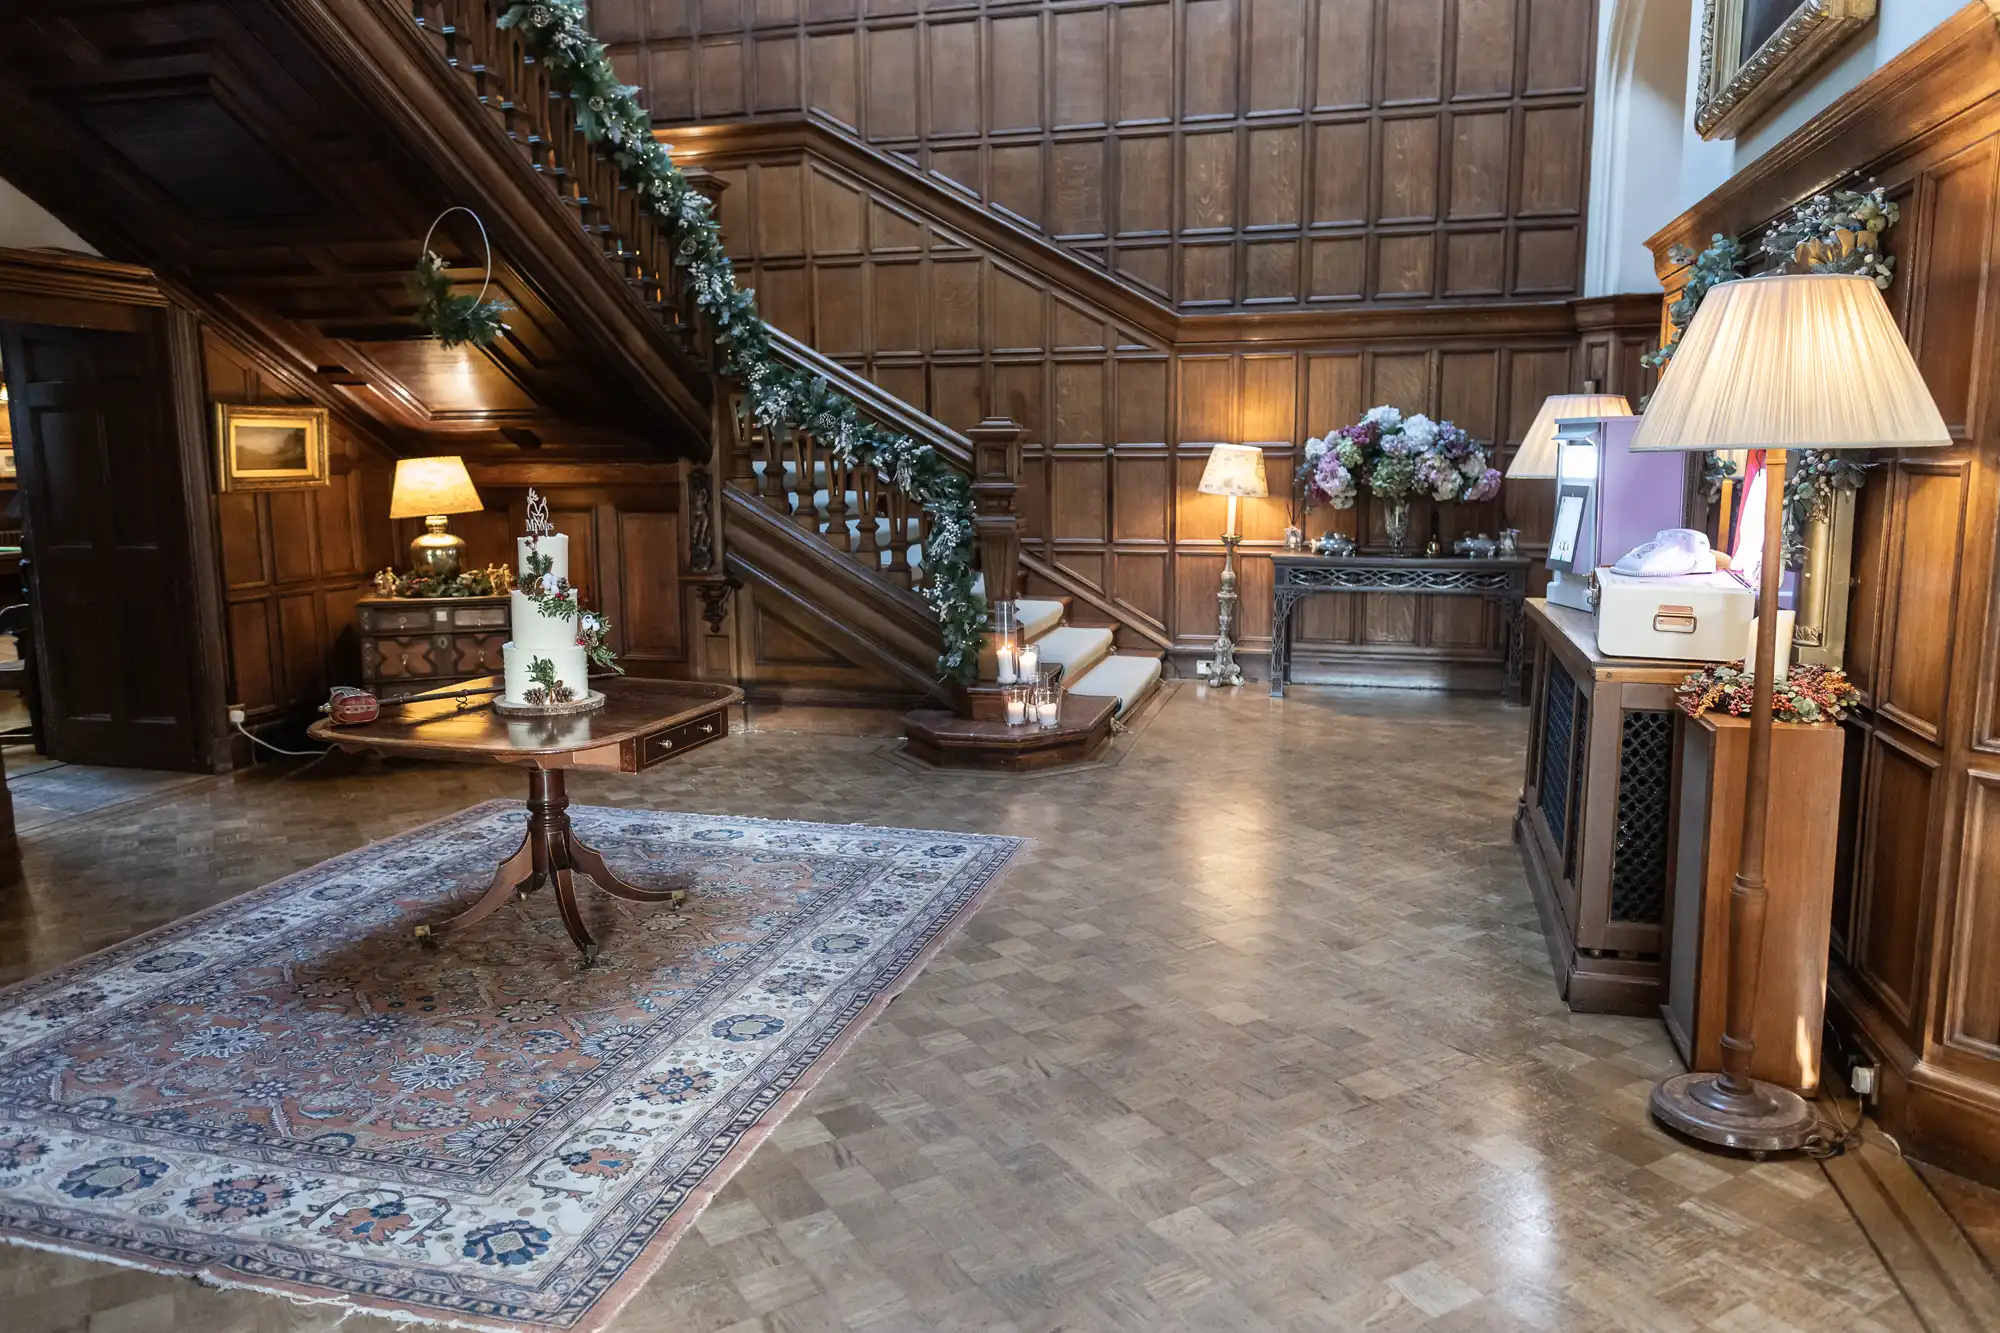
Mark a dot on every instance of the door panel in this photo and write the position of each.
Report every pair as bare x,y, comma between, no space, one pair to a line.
104,548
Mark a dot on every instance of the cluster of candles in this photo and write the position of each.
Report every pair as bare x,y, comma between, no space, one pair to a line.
1030,698
1033,702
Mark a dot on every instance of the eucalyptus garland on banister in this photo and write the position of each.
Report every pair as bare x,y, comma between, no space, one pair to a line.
781,398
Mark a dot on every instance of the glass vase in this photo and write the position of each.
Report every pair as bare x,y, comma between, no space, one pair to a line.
1396,522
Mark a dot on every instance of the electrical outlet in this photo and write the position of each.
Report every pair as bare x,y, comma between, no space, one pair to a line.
1861,1078
1201,668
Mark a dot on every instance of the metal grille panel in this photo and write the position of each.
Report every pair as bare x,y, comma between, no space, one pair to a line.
1558,723
1579,765
1639,860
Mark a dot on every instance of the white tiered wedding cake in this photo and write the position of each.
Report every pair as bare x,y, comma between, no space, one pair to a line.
540,637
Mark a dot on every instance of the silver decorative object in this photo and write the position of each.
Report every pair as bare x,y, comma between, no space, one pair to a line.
1222,668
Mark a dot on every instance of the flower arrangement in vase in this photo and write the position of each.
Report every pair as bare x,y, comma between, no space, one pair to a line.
1398,458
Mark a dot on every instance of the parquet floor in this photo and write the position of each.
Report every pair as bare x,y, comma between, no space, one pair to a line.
1259,1035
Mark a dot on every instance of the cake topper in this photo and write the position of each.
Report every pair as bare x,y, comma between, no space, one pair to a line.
538,515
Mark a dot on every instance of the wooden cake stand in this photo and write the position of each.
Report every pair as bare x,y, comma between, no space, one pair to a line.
642,723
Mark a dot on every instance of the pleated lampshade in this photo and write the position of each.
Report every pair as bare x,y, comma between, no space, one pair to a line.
1792,361
1536,458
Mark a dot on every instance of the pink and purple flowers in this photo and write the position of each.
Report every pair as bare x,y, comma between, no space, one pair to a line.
1397,458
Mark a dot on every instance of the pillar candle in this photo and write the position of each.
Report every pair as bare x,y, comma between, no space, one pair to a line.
1031,662
1048,712
1017,712
1781,663
1005,653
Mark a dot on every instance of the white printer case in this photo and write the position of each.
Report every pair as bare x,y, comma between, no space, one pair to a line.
1683,618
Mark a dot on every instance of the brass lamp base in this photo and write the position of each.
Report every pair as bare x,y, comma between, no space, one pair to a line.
436,552
1768,1119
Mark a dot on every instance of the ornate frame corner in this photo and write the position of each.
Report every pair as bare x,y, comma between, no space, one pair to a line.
1733,94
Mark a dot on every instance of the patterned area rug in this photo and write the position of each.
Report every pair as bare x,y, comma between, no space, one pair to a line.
286,1093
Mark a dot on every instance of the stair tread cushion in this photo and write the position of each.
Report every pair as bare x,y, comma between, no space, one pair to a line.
1129,678
1036,617
1076,648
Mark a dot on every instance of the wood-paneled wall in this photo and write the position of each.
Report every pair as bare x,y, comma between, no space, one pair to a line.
1216,153
627,547
293,562
1916,932
1118,420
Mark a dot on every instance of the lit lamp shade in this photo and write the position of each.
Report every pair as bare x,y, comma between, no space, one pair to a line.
1536,458
1234,470
426,486
430,488
1792,361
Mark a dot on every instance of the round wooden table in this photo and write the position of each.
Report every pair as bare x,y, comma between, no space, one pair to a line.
642,723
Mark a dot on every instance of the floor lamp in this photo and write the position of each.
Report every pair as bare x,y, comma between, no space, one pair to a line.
1792,361
1237,471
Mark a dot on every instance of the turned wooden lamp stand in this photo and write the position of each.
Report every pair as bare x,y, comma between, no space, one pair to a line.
1790,361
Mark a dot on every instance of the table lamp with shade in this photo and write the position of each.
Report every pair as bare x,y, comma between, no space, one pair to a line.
1535,460
429,489
1237,471
1790,361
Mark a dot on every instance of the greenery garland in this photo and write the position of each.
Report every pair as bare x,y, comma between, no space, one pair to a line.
611,117
1836,232
453,317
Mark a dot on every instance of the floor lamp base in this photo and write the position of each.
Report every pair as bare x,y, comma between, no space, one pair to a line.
1774,1119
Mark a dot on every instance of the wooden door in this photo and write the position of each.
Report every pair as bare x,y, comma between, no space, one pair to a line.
105,551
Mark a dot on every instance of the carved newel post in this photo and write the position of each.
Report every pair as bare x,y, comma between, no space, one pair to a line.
996,526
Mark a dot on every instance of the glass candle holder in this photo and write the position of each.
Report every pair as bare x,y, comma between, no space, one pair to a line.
1020,700
1029,663
1048,704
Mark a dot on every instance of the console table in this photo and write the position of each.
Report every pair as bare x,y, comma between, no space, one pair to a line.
1295,577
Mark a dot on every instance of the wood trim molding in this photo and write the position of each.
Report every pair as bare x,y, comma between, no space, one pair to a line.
186,411
1384,328
69,276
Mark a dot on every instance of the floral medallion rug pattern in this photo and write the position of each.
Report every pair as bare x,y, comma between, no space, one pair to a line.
286,1093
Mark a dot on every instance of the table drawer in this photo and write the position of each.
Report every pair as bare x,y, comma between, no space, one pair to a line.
396,620
664,745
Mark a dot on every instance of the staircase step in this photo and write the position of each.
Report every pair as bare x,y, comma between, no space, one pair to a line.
1075,649
1036,617
1130,679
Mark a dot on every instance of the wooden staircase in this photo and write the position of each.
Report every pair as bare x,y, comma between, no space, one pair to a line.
838,545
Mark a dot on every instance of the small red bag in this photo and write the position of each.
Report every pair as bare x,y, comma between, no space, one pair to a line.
350,707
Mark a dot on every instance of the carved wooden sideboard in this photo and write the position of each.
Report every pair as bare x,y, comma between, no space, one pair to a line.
1595,807
410,644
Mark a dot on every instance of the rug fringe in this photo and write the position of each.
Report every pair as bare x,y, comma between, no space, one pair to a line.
221,1283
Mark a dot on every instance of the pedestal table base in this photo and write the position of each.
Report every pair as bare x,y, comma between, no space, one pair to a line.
551,852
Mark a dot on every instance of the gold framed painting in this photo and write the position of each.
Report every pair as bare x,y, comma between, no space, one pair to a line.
1753,52
270,448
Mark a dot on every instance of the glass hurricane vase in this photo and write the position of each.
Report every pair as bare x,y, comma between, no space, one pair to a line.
1396,522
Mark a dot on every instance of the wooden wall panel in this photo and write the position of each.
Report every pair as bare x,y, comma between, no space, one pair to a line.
1915,981
293,562
1218,152
1117,427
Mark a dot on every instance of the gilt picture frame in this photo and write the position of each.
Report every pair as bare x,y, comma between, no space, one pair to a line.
1753,52
264,448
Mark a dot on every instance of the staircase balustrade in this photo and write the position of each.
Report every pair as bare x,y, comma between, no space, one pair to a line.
854,509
